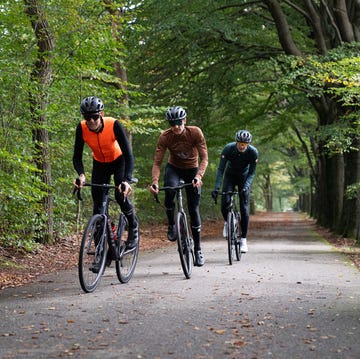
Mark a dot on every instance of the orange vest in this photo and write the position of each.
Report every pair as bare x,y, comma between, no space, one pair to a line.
104,145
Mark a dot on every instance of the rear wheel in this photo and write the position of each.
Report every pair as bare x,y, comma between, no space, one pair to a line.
185,248
230,236
125,266
92,255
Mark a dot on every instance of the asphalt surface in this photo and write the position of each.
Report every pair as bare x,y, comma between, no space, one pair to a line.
291,296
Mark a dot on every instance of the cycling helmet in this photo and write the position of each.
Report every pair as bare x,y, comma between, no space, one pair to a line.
175,113
91,104
243,136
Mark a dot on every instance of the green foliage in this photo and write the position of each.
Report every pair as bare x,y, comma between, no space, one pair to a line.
20,194
352,191
222,62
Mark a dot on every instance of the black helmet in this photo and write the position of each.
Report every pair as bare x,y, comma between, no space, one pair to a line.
243,136
91,104
175,113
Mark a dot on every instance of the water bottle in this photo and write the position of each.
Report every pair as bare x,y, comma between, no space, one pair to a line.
113,228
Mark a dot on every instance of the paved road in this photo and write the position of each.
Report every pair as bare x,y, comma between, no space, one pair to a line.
291,296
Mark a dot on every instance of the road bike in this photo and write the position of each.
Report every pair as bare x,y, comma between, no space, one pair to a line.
233,234
103,242
233,231
184,240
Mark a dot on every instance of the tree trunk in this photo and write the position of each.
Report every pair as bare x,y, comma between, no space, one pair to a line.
330,169
117,15
350,223
268,193
40,77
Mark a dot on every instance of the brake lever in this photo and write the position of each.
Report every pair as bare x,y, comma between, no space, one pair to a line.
77,189
156,198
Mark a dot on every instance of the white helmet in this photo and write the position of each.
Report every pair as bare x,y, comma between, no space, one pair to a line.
243,136
175,113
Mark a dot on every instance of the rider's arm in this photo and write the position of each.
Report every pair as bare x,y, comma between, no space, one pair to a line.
252,168
220,170
203,155
78,151
125,149
158,158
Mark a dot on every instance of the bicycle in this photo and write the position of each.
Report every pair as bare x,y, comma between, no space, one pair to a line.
102,242
233,230
184,240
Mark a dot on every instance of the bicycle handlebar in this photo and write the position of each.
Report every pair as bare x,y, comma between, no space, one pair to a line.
231,193
104,185
174,188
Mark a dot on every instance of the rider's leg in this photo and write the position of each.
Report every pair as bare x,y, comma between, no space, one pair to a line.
100,174
244,223
193,201
126,205
171,179
228,186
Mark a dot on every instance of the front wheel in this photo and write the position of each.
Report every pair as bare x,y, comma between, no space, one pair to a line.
92,255
125,266
237,236
185,247
230,236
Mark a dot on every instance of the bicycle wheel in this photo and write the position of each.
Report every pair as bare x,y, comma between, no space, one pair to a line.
92,255
184,245
237,235
125,266
230,236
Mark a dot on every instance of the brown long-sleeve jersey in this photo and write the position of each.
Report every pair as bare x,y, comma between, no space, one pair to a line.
184,151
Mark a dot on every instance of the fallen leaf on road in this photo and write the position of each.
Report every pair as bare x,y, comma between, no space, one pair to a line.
220,331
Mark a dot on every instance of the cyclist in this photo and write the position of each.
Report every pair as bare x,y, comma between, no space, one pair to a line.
237,168
112,155
186,144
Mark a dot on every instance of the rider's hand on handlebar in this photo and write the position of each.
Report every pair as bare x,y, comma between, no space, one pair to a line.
245,191
197,182
125,188
214,195
80,181
154,188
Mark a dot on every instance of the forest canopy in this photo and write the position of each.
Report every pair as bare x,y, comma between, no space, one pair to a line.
286,71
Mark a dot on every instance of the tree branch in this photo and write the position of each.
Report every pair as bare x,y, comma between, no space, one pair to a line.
282,27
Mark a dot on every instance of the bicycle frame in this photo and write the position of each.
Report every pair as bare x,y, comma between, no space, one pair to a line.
104,213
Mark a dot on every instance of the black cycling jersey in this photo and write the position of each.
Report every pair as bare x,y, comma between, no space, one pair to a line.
239,165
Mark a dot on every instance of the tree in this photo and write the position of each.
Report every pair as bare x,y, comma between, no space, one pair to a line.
236,64
55,52
38,94
332,25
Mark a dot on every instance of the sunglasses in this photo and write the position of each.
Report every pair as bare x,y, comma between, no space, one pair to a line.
176,122
92,116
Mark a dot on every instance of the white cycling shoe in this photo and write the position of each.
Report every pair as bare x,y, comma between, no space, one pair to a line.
225,230
243,245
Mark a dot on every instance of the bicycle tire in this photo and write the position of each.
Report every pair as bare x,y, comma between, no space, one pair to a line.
126,264
237,236
184,245
92,254
230,236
